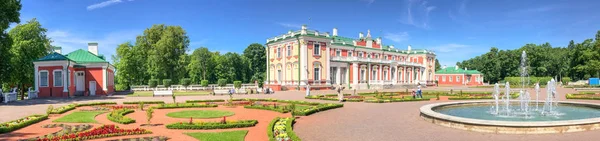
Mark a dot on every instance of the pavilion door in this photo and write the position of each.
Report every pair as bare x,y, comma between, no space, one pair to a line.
79,81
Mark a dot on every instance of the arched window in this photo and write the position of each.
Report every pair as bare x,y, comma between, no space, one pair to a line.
316,71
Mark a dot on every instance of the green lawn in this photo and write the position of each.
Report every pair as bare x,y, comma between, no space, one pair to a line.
200,114
177,93
80,117
219,136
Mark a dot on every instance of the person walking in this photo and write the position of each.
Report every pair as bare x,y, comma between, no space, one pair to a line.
419,92
339,91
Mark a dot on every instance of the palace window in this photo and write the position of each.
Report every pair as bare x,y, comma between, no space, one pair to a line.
317,74
377,56
368,55
385,57
58,78
393,57
362,74
350,54
278,52
338,52
360,54
316,49
450,77
43,78
384,74
289,50
443,78
457,78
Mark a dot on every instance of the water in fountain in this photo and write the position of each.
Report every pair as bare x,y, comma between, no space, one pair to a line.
507,98
524,97
496,95
550,105
537,96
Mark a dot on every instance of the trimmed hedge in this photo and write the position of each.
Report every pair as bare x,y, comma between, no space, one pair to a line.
186,82
289,130
270,129
222,82
96,103
213,125
581,96
63,109
20,123
318,108
145,102
167,82
153,83
514,81
237,84
206,100
393,100
204,83
118,116
183,105
270,108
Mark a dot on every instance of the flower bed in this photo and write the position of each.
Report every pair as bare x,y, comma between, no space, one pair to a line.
63,109
281,109
20,123
117,107
206,100
96,108
145,102
153,138
280,129
118,116
66,130
393,100
213,125
100,132
317,108
184,105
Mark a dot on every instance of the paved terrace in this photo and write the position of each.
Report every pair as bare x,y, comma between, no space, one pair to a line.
355,121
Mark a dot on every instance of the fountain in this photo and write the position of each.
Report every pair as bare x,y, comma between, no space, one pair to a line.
503,115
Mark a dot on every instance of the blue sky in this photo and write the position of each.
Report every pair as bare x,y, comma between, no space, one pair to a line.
455,29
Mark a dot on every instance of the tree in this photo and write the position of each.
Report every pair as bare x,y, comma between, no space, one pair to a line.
10,14
149,114
166,47
200,64
127,65
29,44
256,55
437,65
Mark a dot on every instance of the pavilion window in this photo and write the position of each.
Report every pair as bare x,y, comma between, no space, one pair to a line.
338,52
349,53
443,78
316,49
58,78
289,50
278,52
450,77
44,79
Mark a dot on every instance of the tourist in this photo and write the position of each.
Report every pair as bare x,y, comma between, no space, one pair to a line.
307,90
413,94
419,92
339,91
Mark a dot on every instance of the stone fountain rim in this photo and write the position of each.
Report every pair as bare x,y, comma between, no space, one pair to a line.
427,110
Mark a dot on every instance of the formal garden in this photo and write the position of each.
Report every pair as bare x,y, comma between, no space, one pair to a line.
206,120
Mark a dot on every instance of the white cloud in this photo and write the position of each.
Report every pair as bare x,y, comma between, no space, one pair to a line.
446,48
397,37
104,4
290,25
417,16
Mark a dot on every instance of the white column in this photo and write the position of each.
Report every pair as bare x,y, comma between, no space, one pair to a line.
303,63
338,75
404,75
36,78
355,71
412,75
380,73
64,76
389,74
327,55
368,75
104,78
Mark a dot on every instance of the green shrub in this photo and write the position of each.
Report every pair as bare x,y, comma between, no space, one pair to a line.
145,102
393,100
237,84
222,82
121,87
167,82
207,100
204,83
49,110
290,131
96,103
153,83
281,109
63,109
516,81
186,82
20,123
184,105
318,108
118,116
213,125
270,129
565,80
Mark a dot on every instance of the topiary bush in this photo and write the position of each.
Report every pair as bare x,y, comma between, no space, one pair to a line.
167,82
153,83
204,83
213,125
222,82
186,82
237,84
118,116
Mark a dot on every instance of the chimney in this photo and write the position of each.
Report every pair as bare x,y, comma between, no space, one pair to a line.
444,67
360,35
327,35
409,48
335,32
368,33
57,49
93,48
303,32
378,40
456,68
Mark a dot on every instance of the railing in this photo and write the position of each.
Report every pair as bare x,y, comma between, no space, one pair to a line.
318,82
374,60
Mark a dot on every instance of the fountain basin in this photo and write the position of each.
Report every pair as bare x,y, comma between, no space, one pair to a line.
442,114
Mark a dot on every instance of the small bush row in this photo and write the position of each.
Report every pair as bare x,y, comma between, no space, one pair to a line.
206,100
213,125
96,103
145,102
581,96
393,100
317,108
184,105
280,109
20,123
280,129
118,116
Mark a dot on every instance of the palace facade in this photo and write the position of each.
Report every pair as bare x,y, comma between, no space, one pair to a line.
320,60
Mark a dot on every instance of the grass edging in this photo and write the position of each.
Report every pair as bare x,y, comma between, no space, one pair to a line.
118,116
20,123
213,125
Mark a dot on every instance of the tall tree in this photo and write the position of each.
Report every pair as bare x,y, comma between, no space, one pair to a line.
437,65
125,61
201,64
9,14
166,51
256,54
29,44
